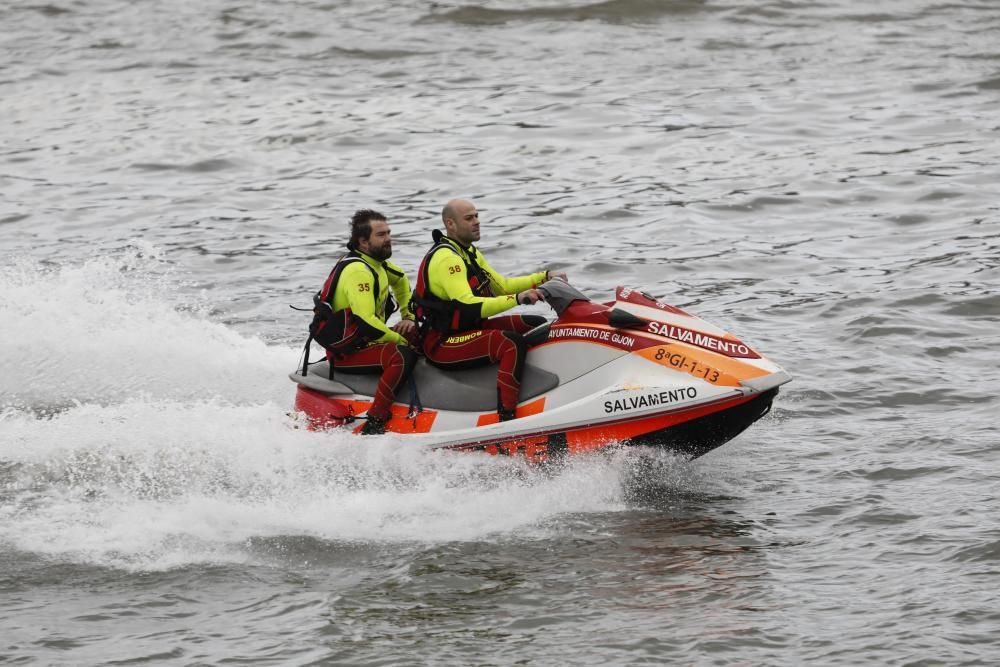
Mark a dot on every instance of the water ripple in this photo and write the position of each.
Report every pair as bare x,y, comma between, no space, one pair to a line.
818,177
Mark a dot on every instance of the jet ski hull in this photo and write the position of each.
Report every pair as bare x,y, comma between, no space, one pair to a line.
694,430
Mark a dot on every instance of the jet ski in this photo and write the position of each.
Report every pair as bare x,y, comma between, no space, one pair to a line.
632,371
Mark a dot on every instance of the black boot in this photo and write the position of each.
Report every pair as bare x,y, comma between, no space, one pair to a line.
504,415
373,426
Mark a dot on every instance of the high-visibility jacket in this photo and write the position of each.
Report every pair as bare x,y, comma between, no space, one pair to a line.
354,303
457,288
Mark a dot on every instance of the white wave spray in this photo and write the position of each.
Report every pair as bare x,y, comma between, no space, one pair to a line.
140,434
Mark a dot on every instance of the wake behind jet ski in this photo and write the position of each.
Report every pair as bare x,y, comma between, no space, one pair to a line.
633,371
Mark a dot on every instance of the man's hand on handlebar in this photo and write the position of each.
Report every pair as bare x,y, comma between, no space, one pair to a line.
530,296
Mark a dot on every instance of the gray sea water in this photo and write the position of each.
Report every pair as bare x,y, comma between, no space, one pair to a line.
819,178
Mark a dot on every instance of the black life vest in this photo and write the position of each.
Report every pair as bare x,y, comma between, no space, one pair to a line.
448,315
341,331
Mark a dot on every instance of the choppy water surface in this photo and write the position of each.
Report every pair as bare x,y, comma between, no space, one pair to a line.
820,178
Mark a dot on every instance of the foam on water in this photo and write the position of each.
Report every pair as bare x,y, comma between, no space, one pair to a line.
153,483
115,327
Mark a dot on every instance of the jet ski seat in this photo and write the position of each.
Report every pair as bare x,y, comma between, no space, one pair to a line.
473,390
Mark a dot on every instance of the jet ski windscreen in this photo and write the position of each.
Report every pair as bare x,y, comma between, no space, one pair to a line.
559,295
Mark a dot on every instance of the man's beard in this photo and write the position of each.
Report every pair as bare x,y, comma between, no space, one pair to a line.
381,253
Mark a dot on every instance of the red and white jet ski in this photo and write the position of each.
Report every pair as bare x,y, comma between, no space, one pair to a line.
633,371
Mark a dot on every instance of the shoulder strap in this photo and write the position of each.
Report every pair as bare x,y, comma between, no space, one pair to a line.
392,270
483,288
425,265
350,258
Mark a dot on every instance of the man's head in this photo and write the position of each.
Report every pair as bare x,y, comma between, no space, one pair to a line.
370,234
461,220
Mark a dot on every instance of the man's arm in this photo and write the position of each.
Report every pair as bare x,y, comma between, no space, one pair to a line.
449,279
504,285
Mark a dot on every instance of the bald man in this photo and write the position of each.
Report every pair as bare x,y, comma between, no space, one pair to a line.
459,298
